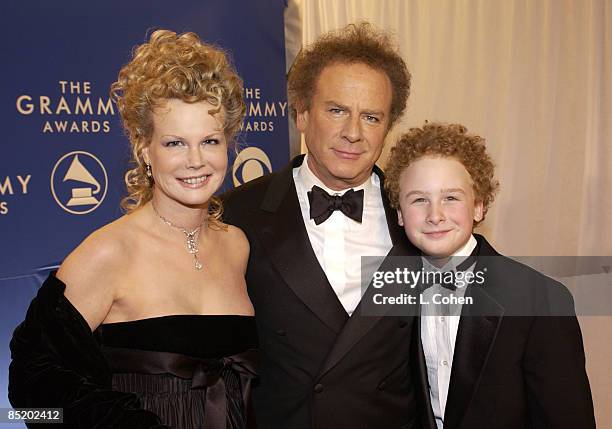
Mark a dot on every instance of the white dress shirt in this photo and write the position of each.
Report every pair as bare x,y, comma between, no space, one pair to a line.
340,242
439,333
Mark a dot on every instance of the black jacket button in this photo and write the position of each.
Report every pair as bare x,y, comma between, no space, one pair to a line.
318,388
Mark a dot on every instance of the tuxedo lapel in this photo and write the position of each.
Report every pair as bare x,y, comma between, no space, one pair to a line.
476,335
396,232
359,325
284,237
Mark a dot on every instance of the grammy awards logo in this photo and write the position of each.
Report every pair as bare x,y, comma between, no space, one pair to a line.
250,164
79,182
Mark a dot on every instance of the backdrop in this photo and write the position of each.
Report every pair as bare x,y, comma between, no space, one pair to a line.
63,153
533,77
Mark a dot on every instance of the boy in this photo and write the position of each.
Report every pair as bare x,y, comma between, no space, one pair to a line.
508,360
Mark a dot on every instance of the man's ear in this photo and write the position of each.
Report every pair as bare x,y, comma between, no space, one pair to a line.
400,219
301,120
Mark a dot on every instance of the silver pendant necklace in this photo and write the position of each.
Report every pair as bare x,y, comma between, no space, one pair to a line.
192,237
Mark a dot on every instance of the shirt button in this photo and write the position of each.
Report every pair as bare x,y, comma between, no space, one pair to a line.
318,388
442,319
444,363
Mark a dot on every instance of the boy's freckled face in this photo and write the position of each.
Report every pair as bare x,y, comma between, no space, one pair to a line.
437,205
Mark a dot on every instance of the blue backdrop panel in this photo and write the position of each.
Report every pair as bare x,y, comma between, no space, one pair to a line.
63,152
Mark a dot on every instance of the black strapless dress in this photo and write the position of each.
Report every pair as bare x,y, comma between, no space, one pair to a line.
192,371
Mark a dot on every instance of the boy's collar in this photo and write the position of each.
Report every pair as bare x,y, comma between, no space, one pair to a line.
456,258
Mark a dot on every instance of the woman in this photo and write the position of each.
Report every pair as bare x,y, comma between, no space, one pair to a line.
162,288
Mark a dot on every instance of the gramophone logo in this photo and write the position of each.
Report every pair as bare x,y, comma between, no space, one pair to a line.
250,164
79,182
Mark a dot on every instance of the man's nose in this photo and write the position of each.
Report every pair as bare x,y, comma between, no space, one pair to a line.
352,129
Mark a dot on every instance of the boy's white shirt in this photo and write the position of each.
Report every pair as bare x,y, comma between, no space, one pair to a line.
439,333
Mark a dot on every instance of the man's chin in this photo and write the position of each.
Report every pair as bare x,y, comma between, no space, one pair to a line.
351,173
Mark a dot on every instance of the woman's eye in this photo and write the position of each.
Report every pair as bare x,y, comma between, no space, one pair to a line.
452,198
419,200
211,141
173,143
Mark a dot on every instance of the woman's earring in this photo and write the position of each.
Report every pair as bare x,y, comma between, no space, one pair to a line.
148,170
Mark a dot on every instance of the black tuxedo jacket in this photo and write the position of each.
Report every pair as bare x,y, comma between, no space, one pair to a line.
320,369
519,360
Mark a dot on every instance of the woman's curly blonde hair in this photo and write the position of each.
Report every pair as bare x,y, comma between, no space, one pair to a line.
180,66
441,140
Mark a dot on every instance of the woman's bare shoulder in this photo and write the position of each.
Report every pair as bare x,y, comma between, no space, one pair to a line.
92,272
235,240
232,244
103,250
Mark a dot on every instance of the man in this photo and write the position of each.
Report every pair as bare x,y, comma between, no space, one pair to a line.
324,364
508,353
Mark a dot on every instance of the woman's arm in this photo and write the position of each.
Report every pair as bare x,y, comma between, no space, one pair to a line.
56,361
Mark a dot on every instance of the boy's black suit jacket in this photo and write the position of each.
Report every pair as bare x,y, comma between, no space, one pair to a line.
519,360
320,369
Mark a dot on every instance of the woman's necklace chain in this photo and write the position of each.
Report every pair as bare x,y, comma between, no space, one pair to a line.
192,238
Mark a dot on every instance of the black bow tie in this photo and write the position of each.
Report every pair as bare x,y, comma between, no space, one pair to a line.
322,205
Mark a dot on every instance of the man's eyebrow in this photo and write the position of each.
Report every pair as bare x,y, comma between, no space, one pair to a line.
336,104
373,112
330,103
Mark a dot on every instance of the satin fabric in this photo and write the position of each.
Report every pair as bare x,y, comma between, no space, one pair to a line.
191,370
